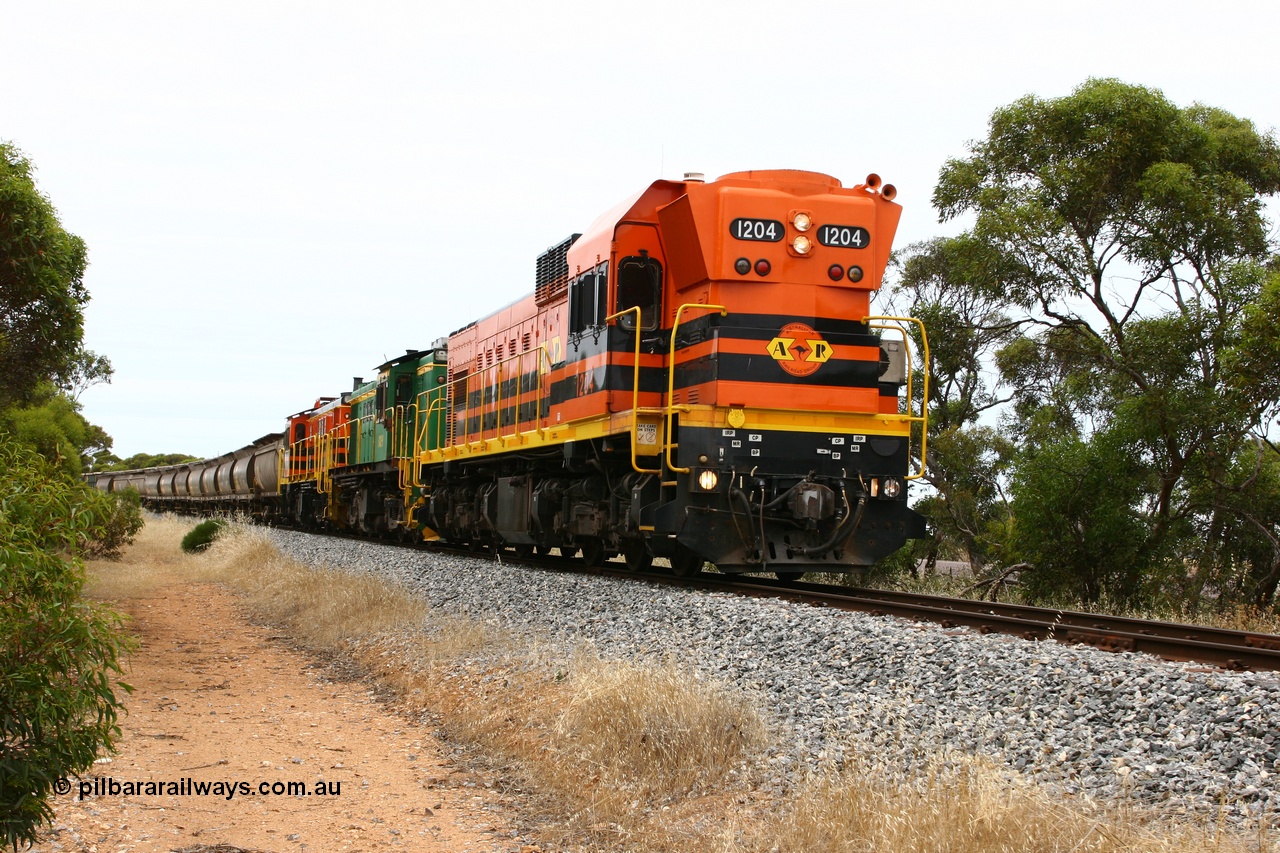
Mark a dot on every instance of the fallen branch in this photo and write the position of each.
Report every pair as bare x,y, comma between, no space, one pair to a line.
994,583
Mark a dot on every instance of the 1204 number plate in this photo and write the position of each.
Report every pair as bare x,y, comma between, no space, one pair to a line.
844,236
758,230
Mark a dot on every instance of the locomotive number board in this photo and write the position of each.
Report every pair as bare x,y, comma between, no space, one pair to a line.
758,230
844,236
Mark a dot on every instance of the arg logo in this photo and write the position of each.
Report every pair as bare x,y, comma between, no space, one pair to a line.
799,350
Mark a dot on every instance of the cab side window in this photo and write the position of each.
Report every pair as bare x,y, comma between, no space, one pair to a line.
639,284
582,303
589,299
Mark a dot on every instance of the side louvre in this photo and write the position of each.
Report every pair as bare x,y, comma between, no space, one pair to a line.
552,273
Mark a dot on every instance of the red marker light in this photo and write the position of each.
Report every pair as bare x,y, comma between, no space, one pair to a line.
835,272
763,267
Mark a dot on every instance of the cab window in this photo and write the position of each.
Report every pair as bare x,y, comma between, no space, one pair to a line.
582,302
589,300
639,284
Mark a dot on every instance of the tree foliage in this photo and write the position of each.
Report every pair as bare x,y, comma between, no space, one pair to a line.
939,283
1124,238
141,460
85,370
59,655
51,424
42,292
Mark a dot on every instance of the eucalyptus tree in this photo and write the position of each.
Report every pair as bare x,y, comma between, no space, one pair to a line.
1130,243
60,655
42,292
940,282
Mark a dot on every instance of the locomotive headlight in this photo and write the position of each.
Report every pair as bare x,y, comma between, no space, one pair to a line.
802,244
892,487
708,480
802,222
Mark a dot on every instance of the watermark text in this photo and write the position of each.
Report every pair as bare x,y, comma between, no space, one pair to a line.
227,789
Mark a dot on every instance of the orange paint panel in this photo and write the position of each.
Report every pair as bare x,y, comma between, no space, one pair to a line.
587,406
800,397
703,243
621,401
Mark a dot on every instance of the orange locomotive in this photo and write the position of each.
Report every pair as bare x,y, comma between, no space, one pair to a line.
696,377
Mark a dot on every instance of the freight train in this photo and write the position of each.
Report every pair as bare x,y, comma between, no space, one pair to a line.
696,376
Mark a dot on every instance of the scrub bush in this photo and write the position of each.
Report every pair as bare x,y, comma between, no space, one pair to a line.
202,535
60,655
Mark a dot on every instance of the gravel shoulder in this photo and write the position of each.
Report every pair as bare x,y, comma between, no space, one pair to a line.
219,700
1180,739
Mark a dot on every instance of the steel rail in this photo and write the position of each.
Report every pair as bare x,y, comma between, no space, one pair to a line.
1231,649
1221,647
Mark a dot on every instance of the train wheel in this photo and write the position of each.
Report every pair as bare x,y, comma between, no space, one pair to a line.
636,553
593,552
686,562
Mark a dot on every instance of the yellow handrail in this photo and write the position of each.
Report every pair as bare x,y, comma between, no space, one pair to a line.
422,420
635,394
395,442
541,357
436,408
923,417
407,447
671,379
322,463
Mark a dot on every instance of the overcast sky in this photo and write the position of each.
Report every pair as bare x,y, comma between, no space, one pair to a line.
278,196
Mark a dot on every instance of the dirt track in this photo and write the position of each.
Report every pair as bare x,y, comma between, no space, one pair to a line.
219,700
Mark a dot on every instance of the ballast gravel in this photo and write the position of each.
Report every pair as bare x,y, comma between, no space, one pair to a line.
1184,737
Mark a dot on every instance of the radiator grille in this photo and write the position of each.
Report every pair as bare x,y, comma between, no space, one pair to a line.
552,275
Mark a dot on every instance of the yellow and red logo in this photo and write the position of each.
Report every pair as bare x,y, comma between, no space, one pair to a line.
799,350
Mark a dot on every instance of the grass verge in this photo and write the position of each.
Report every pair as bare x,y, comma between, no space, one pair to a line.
625,757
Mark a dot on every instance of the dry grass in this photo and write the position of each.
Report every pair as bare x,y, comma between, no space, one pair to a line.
620,757
321,608
655,732
153,560
966,804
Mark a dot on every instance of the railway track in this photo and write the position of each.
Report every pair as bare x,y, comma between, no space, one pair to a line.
900,690
1230,649
1221,647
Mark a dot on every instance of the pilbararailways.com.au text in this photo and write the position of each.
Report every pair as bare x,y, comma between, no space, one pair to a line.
188,787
